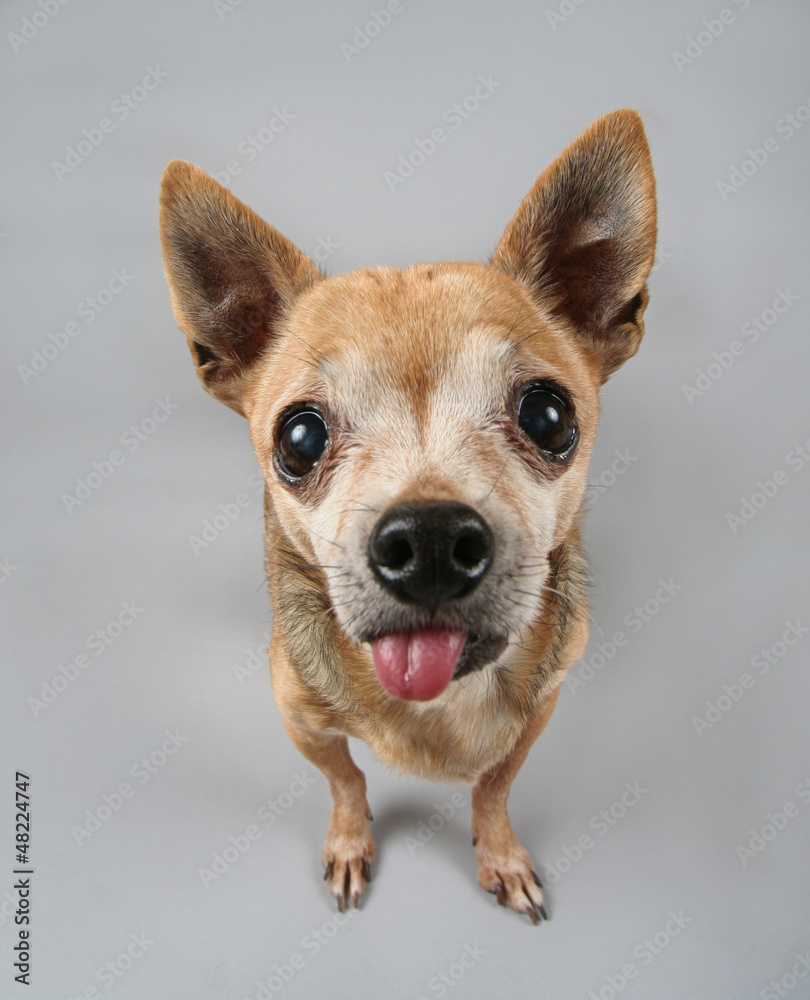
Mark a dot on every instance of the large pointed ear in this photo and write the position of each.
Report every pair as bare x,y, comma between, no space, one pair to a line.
583,238
231,276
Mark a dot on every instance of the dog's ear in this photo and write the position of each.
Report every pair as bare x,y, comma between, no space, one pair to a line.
231,276
583,238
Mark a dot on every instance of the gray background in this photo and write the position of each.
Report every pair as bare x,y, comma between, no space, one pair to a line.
722,259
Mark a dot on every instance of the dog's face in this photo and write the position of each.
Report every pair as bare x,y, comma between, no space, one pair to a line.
405,427
425,433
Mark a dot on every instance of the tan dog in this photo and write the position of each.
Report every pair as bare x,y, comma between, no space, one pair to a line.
425,436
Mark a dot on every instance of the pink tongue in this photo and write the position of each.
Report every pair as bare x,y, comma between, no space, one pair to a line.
417,665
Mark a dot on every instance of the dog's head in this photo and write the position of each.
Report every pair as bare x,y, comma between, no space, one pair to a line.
425,433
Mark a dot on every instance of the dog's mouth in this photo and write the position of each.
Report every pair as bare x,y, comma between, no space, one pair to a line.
418,665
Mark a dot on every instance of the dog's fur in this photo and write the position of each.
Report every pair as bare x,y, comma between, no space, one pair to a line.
418,373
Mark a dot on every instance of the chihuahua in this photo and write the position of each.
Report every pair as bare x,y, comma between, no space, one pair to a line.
424,436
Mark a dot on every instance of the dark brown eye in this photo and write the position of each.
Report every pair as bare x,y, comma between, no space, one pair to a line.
303,439
548,420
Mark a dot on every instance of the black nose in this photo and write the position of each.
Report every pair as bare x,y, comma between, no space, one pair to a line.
429,551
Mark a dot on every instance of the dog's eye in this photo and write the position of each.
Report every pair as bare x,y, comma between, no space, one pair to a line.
548,421
303,439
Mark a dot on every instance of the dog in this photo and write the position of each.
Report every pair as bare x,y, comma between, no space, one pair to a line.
424,435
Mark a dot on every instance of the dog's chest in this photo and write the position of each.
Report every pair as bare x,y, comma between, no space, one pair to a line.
456,737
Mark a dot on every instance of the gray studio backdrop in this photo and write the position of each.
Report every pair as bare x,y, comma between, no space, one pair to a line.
175,832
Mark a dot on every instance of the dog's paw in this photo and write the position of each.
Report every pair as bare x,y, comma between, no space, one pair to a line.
505,869
347,859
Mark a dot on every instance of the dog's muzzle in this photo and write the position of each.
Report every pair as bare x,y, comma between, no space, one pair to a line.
428,553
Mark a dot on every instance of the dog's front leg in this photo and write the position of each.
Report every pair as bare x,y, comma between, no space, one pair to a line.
349,849
504,865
